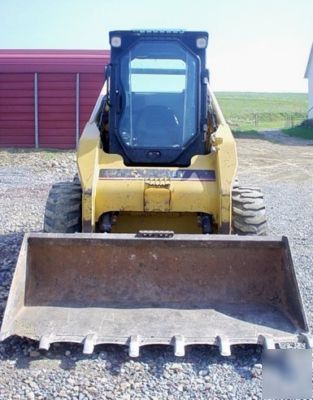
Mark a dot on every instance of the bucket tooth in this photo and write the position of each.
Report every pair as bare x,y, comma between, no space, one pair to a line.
45,342
3,336
267,342
224,346
179,345
134,346
89,344
307,340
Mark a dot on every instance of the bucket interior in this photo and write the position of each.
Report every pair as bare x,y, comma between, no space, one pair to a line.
120,285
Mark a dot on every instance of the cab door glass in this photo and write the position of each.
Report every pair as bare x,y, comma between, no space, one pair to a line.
160,85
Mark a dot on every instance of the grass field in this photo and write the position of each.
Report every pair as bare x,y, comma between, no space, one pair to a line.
257,111
300,131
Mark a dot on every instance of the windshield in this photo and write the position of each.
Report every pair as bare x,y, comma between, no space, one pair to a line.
160,84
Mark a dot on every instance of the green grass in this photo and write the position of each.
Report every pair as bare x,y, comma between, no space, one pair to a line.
300,131
246,111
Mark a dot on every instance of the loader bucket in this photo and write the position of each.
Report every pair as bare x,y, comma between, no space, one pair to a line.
186,289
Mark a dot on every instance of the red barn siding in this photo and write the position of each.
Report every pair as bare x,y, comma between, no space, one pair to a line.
17,110
57,72
57,122
90,86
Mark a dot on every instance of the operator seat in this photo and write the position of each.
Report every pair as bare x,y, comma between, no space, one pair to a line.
157,126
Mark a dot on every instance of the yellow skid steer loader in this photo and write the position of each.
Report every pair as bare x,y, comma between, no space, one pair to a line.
154,242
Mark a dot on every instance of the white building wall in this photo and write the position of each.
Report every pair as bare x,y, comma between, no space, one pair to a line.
311,92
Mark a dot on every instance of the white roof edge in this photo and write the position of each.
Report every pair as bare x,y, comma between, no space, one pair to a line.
310,61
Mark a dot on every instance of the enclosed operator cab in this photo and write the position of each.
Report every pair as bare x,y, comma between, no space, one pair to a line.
157,97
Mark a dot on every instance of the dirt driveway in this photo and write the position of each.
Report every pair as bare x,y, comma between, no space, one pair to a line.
275,156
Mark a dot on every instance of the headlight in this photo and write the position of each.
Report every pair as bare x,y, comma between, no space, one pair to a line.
116,41
201,43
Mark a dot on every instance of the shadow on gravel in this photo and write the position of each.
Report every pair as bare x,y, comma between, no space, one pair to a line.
113,359
10,244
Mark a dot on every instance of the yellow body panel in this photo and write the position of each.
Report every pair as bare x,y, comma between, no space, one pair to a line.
157,199
204,187
192,195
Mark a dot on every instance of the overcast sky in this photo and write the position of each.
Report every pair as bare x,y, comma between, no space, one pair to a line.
255,45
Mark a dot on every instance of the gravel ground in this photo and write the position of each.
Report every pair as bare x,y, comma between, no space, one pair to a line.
283,169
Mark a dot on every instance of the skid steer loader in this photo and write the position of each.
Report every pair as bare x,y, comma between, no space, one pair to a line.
154,242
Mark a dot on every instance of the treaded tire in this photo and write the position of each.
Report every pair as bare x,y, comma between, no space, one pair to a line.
249,214
76,178
63,208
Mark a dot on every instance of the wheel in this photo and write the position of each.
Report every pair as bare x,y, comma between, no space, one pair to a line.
249,215
235,183
63,208
76,178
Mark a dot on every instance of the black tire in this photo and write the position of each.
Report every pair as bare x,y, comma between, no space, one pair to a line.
63,208
235,183
249,214
76,178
